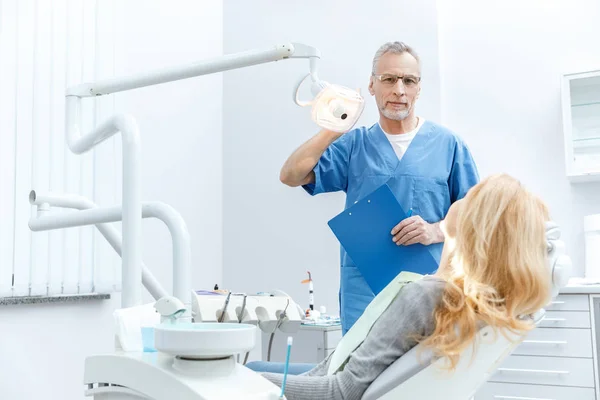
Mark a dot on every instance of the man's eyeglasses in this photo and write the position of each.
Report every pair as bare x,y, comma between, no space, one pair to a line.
391,80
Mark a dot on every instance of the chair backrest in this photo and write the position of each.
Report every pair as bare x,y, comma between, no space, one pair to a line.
417,376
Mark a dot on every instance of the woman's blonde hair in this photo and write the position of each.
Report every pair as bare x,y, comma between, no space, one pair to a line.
497,270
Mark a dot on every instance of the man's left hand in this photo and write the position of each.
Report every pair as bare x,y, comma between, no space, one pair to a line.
415,230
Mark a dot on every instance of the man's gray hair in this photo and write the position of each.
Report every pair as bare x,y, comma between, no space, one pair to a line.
395,48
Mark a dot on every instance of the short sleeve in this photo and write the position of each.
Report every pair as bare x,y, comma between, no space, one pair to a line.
463,173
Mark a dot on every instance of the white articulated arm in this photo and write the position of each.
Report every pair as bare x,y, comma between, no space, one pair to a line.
132,190
92,215
110,233
131,212
205,67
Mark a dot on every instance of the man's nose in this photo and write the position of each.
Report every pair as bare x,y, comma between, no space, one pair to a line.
399,89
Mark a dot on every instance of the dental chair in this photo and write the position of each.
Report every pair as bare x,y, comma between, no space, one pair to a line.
418,375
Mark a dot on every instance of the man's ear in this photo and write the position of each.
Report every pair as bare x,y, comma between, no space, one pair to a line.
371,81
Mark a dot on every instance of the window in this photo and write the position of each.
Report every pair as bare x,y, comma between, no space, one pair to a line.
45,47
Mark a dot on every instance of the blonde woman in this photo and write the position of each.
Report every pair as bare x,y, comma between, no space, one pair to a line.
493,270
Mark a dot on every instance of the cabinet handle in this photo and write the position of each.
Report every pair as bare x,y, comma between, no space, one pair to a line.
519,398
554,319
533,371
550,342
558,302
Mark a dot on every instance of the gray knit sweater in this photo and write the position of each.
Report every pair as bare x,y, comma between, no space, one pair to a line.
410,313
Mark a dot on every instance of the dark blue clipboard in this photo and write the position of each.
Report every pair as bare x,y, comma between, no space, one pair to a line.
364,231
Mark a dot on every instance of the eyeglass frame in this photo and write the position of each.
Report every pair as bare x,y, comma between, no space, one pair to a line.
398,77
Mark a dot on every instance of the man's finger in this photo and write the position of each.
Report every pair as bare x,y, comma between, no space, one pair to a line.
405,222
409,237
406,230
418,239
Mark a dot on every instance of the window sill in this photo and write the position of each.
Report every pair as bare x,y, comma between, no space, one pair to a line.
75,298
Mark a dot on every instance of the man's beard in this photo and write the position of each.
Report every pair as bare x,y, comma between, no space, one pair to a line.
395,115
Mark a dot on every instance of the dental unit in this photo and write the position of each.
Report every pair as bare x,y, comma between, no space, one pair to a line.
198,334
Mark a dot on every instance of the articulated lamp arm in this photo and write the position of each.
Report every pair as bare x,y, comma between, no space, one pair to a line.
218,64
334,107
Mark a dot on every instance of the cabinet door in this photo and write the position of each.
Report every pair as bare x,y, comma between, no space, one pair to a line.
510,391
557,342
566,319
546,371
569,302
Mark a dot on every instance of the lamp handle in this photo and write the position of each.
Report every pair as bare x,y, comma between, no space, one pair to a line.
295,95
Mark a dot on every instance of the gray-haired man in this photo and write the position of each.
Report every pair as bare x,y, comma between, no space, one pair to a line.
427,166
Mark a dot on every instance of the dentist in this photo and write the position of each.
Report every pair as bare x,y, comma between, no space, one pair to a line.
427,166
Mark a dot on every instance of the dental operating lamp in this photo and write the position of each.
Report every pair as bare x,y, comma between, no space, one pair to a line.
333,107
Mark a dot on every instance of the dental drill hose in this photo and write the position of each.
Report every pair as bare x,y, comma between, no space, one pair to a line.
240,318
279,321
241,315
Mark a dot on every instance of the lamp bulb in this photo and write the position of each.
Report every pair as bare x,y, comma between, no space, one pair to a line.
337,109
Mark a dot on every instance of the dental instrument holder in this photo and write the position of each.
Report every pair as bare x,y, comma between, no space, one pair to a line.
170,309
264,311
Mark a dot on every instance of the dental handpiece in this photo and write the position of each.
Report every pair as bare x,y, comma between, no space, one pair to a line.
225,307
241,316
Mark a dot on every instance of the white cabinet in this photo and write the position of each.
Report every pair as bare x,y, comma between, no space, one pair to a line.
312,344
581,125
555,361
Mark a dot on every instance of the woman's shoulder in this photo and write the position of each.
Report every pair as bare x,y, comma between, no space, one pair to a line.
428,284
425,293
431,283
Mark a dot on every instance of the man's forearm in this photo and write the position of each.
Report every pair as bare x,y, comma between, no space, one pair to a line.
301,163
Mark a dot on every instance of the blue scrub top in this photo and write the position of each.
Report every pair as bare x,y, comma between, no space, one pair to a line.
436,170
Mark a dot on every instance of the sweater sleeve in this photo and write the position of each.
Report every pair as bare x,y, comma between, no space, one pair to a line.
409,315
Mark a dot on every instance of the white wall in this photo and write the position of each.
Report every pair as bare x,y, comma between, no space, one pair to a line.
180,124
43,347
272,233
501,64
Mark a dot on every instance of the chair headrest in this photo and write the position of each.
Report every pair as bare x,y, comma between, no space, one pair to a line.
559,263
